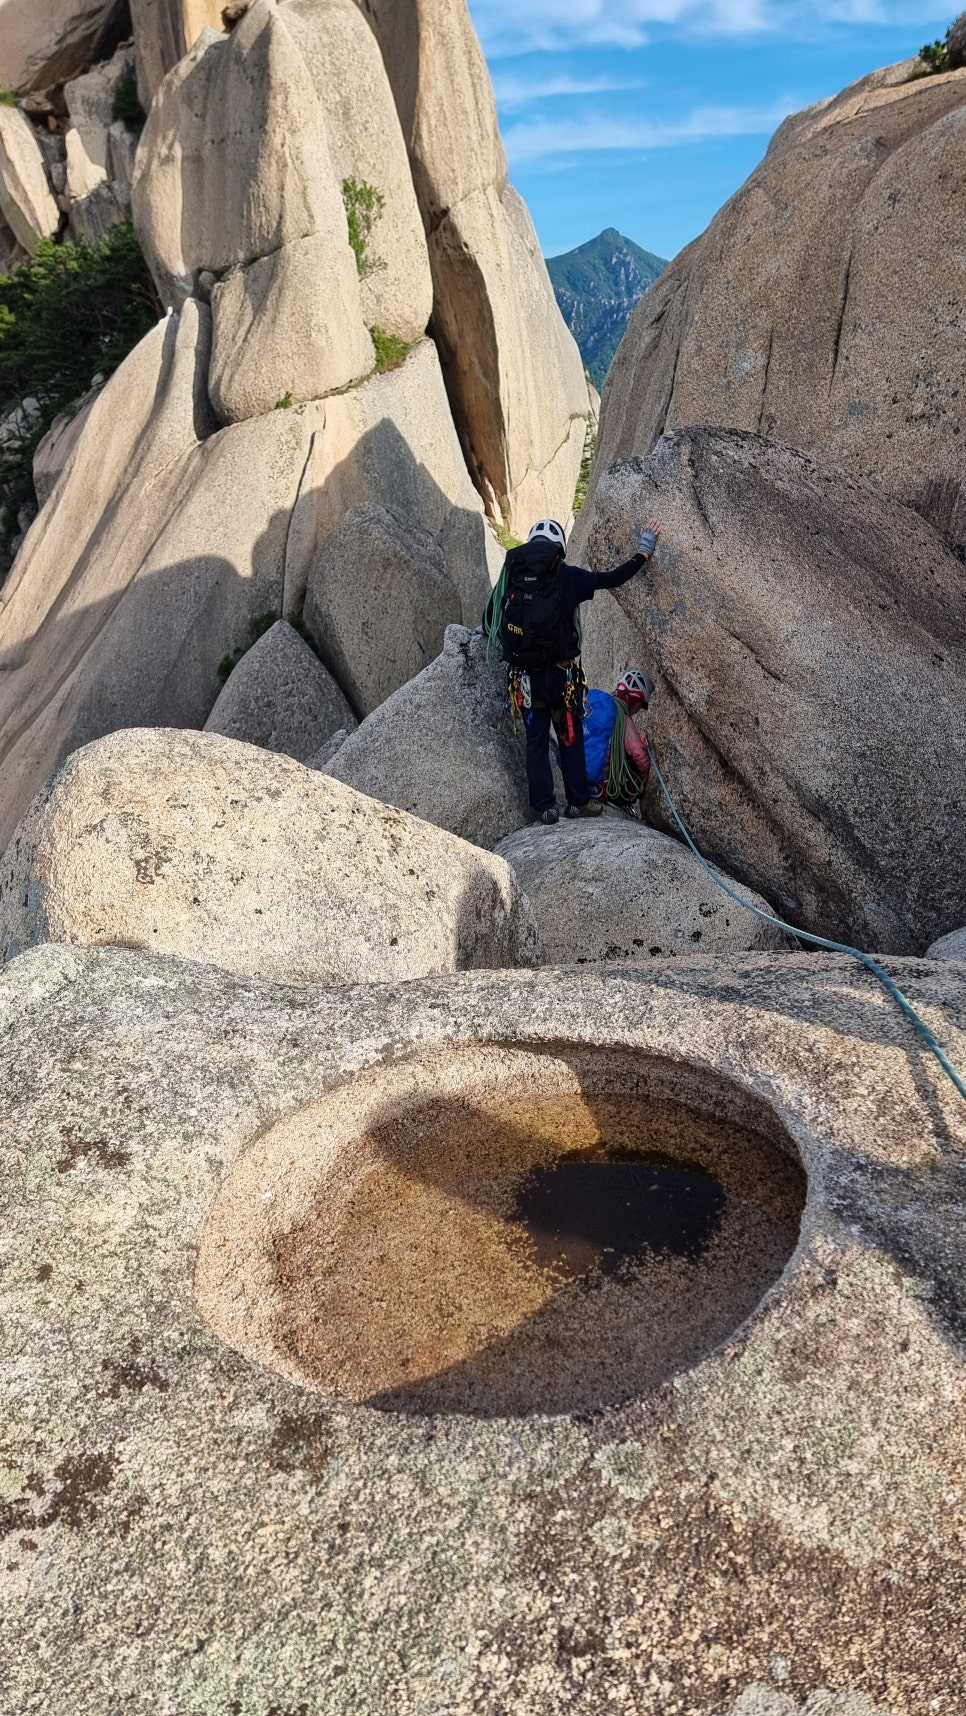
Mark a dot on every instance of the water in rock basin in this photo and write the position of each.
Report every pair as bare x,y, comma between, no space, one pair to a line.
548,1255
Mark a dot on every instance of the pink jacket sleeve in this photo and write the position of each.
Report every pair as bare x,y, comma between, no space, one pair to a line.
636,751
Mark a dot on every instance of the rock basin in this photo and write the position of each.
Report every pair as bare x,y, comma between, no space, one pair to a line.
776,1526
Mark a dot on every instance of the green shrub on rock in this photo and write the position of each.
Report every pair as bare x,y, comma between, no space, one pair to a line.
68,315
363,206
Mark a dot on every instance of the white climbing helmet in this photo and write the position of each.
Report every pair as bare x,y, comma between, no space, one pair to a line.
636,688
551,530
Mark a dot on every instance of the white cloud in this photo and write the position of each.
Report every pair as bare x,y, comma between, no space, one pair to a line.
541,140
506,27
522,91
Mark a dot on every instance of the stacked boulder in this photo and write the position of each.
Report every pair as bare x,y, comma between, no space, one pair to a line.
285,444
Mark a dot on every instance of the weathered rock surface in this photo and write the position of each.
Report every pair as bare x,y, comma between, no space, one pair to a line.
444,748
163,542
787,317
164,31
166,539
90,103
281,697
234,171
47,41
92,217
26,204
287,328
379,600
360,1543
366,145
191,844
392,442
765,1701
952,946
54,451
615,889
513,371
809,637
956,42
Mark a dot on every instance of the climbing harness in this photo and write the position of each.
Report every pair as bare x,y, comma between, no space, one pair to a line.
865,959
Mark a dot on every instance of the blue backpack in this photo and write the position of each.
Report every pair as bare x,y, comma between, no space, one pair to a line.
600,720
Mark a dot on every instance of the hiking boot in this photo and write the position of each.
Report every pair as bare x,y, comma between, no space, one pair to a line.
549,816
592,808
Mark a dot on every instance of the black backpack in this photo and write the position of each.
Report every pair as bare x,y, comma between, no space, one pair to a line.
533,630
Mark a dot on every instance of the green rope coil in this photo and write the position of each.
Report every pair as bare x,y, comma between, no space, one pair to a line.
623,781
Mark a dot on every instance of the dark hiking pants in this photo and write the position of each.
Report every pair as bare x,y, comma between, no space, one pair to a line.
548,710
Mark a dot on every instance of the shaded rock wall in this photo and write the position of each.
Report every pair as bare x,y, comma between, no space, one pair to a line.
809,639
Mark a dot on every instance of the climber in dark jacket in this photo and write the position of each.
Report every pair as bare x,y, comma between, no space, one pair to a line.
547,685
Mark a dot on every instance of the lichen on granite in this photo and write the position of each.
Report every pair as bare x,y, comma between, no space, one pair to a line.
785,1518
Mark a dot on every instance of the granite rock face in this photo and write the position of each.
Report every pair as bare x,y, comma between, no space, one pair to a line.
952,946
45,42
786,317
193,844
444,747
281,697
164,31
956,42
367,147
163,542
379,600
287,328
615,889
90,103
391,443
167,537
26,204
808,639
234,167
801,1482
54,451
513,371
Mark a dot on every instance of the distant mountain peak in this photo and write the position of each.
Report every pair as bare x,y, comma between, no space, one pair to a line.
598,287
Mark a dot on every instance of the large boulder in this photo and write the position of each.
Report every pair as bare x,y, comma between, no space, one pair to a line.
790,318
369,155
952,946
90,104
192,844
811,705
26,204
286,329
513,371
615,889
192,1161
378,603
161,542
164,539
164,31
47,41
444,747
281,697
391,442
234,173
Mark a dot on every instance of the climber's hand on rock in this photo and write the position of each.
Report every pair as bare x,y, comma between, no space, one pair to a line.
647,540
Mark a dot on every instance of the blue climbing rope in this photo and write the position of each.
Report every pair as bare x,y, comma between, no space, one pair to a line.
870,964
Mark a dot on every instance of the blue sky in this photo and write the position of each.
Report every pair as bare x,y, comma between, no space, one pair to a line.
647,114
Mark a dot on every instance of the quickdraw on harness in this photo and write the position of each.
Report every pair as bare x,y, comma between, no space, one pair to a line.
520,697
